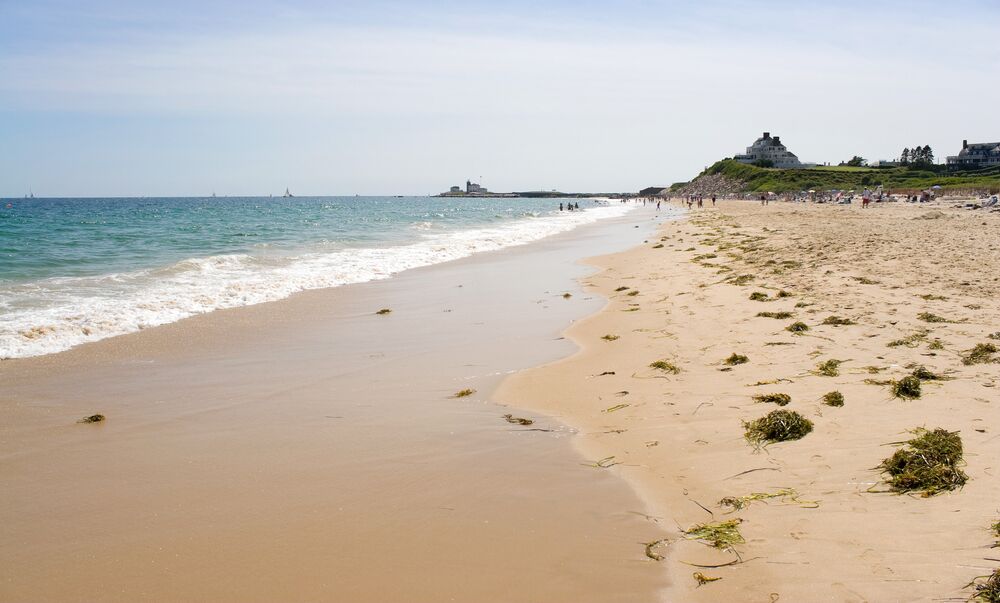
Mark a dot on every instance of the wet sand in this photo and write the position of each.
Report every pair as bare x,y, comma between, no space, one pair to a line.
309,449
926,276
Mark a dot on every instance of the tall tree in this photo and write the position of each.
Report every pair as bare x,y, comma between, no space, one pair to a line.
904,157
928,154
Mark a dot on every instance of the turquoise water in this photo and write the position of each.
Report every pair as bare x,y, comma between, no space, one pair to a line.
78,270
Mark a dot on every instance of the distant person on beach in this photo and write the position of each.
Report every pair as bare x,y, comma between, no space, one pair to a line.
657,205
560,207
866,198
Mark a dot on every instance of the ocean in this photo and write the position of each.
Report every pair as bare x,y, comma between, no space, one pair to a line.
79,270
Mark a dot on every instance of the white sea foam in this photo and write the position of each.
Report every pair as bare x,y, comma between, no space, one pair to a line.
56,314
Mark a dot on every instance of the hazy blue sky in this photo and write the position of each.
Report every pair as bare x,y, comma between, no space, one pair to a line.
185,98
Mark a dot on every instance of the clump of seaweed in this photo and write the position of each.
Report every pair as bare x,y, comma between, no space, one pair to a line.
735,359
982,353
988,590
517,420
742,279
384,311
779,315
464,393
907,388
782,294
633,293
838,321
833,399
925,374
928,463
665,366
721,535
994,335
779,399
610,337
928,317
931,297
759,296
737,503
567,295
658,246
910,341
829,368
92,419
937,344
777,426
620,289
797,327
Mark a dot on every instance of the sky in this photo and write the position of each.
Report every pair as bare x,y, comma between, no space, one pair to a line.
114,98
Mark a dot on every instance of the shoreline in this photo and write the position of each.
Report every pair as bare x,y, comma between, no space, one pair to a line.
50,313
286,441
677,439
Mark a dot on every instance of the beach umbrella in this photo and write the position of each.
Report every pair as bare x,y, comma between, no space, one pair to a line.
936,186
812,191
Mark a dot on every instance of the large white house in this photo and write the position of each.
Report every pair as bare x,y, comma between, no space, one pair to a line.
769,149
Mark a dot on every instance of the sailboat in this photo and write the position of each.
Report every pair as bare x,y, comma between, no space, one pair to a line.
287,194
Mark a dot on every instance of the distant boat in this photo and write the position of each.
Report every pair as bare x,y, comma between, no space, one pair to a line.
213,194
287,194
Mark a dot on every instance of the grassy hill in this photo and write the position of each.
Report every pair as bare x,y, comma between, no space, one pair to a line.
757,179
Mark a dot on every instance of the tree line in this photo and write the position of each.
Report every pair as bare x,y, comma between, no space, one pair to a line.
917,155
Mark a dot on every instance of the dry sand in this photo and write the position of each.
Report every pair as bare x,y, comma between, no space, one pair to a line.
678,438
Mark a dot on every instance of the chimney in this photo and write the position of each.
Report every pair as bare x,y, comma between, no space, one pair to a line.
777,140
767,134
965,144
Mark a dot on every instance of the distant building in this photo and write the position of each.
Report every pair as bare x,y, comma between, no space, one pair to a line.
472,187
882,163
768,149
652,191
455,189
976,155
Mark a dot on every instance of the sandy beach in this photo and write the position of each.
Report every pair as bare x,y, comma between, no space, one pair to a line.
313,450
915,285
